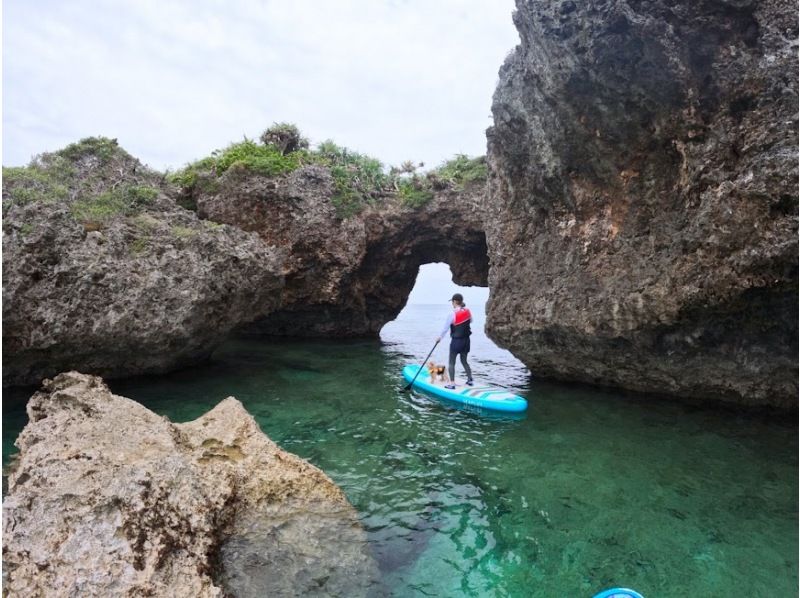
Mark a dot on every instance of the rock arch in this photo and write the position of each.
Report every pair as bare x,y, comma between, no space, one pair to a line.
349,276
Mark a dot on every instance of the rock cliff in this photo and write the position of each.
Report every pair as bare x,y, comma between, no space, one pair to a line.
639,231
109,499
643,190
103,272
348,276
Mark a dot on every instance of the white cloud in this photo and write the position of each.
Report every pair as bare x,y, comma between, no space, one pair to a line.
173,80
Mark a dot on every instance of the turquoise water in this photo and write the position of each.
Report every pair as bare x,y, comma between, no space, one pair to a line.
587,490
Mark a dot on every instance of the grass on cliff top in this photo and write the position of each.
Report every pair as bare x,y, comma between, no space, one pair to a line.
359,180
95,176
463,170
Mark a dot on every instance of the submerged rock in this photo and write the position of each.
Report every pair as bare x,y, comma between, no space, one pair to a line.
110,499
643,189
103,272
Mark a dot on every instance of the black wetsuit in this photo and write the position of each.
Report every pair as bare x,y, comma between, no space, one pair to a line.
459,341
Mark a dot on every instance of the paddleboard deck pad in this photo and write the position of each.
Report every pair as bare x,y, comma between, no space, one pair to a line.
479,395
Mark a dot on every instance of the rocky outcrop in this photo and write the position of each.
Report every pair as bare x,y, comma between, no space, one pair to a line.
348,276
643,183
103,272
109,499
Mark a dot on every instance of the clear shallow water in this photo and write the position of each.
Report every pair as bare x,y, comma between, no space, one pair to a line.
586,491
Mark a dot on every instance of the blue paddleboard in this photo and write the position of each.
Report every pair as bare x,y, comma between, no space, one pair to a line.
479,395
619,593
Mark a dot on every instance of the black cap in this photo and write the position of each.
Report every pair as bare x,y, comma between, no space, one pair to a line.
457,297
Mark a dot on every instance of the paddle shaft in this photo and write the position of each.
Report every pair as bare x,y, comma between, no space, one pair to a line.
422,366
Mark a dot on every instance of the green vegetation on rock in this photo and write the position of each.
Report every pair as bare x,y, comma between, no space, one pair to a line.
463,170
145,222
414,192
183,232
100,148
285,137
100,180
260,159
139,245
125,200
187,177
24,184
95,177
359,180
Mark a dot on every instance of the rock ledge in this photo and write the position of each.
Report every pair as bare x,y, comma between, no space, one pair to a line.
110,499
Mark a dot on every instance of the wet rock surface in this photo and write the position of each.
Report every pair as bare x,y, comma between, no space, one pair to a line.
118,289
348,276
110,499
643,191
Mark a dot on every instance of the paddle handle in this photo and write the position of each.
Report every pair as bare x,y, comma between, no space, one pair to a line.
422,366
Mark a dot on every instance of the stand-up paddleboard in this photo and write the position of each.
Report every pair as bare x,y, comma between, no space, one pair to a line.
619,593
479,395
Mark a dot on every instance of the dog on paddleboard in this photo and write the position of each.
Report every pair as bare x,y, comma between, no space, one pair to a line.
438,371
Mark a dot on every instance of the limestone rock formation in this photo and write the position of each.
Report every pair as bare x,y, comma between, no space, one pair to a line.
110,499
103,272
643,189
348,276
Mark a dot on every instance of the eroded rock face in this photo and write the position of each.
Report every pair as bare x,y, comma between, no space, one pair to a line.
110,499
348,276
643,183
137,293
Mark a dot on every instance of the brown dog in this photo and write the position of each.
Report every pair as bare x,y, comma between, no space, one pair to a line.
438,371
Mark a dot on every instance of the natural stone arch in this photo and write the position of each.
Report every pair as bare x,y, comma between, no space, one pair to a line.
349,276
391,265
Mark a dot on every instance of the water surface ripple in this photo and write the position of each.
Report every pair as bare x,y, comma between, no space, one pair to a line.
585,491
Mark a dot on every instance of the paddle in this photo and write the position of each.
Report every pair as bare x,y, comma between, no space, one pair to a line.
422,366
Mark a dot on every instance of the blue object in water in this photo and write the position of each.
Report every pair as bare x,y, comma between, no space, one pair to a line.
478,395
618,593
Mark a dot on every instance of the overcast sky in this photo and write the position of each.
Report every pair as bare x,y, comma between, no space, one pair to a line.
174,80
434,286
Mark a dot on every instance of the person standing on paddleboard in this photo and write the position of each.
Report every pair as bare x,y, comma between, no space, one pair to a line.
458,325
